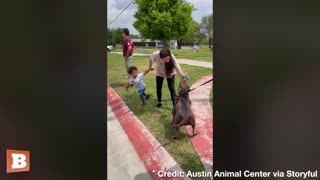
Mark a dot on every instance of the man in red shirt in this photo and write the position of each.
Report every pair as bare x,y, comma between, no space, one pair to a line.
127,49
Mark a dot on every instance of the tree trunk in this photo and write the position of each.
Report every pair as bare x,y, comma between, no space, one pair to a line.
179,42
209,42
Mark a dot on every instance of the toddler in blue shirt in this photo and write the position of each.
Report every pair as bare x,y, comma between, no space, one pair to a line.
136,80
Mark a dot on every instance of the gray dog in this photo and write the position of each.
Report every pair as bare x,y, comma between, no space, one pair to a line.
182,114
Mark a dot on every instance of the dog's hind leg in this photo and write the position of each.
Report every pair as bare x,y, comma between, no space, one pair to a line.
176,119
173,116
181,123
193,125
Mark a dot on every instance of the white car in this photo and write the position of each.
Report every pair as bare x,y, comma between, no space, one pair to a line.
109,48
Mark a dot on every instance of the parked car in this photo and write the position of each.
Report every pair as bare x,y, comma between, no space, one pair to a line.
109,48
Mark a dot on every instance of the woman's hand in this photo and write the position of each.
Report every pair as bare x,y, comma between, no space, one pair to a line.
151,68
185,75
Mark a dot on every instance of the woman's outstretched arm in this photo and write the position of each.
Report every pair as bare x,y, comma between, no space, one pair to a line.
152,59
177,66
150,64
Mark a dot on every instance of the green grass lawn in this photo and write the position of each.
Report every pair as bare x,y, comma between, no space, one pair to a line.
157,120
204,53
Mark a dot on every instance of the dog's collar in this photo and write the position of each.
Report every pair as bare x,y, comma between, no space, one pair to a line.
184,94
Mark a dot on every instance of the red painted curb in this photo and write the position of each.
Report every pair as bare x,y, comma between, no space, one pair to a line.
149,150
202,110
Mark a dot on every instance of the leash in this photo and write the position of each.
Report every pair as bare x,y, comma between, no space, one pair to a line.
201,85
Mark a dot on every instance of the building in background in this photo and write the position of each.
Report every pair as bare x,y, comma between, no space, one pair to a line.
144,42
152,43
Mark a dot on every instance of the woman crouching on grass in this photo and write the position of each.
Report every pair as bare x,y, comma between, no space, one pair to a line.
166,67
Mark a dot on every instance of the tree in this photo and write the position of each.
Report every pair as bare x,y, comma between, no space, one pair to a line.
194,37
184,22
198,36
117,36
134,36
163,19
109,36
207,27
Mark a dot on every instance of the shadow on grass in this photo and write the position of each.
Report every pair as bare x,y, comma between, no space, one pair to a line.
167,125
118,84
164,144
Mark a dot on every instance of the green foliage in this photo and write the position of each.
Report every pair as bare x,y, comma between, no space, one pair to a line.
183,22
163,19
109,36
114,36
195,37
117,36
207,27
134,36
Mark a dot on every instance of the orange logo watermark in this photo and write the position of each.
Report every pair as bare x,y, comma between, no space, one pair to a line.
18,161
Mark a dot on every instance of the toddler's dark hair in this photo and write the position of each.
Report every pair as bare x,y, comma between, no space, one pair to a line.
132,68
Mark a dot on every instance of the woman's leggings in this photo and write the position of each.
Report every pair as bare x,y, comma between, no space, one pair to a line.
170,82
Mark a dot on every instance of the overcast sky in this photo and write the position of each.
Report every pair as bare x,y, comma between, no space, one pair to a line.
126,19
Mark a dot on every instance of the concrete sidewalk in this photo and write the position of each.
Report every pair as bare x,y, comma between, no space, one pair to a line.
203,113
181,61
196,63
123,161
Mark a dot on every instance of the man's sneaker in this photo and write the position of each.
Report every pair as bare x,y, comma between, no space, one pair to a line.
147,96
158,105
